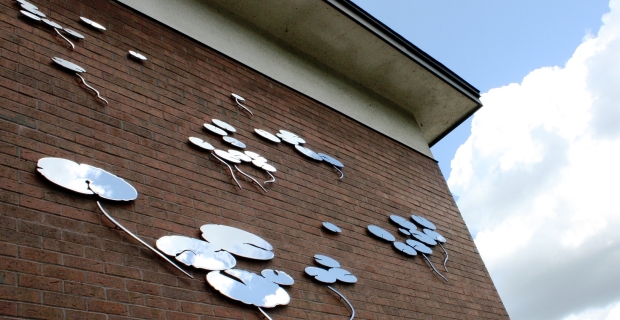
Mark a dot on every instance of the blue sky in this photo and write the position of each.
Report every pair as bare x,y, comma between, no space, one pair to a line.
490,43
534,171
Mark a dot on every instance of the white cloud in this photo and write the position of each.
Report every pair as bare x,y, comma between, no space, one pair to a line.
538,183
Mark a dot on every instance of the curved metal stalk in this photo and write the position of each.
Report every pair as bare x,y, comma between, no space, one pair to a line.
249,176
432,266
264,313
91,88
446,259
273,178
341,173
232,173
65,38
242,106
120,226
345,300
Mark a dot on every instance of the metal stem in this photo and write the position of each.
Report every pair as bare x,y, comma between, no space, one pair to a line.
70,43
446,259
91,88
141,241
249,176
345,300
264,313
341,173
432,266
232,173
273,178
242,106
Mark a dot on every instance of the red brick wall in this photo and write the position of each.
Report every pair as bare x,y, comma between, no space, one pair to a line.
60,259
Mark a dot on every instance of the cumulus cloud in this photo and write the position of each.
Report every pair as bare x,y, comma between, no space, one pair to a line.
537,182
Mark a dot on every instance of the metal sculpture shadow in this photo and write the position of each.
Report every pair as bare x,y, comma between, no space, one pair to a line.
89,180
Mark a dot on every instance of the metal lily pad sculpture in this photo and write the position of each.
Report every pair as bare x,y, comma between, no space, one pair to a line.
331,275
331,227
261,162
32,12
296,141
262,291
267,135
239,98
437,237
136,56
197,253
70,66
89,180
410,247
93,24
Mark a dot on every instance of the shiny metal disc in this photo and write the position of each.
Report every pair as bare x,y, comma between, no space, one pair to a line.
33,9
195,252
279,277
331,160
51,24
226,156
259,162
308,153
238,242
403,223
86,179
343,275
201,143
381,233
326,261
419,246
73,33
215,129
240,98
423,222
423,237
248,287
321,274
290,137
242,156
404,231
223,125
252,155
30,15
267,167
267,135
406,249
234,142
23,2
435,235
68,65
331,227
93,24
136,55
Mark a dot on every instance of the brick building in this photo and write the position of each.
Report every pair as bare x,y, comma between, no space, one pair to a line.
325,70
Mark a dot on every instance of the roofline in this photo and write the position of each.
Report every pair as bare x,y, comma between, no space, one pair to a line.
407,48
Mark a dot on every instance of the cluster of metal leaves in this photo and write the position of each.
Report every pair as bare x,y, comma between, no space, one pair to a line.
222,128
332,274
259,290
86,179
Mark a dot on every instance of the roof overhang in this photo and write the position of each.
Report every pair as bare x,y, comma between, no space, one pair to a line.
346,39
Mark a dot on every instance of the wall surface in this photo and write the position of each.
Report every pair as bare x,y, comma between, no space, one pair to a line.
59,258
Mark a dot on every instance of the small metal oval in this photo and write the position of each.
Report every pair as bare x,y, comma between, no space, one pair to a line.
402,222
73,33
435,235
308,152
343,275
331,227
23,2
215,129
423,237
404,231
201,143
226,156
242,156
68,65
331,160
381,233
30,15
137,55
224,125
267,167
93,24
423,222
33,9
404,248
52,24
326,261
234,142
240,98
267,135
290,137
419,246
252,154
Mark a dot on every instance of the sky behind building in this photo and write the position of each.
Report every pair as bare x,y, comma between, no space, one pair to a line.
535,169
